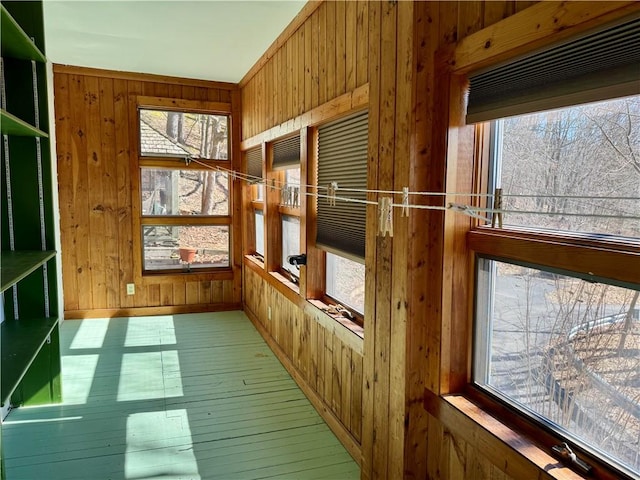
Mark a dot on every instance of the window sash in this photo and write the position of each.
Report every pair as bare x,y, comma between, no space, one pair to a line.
499,349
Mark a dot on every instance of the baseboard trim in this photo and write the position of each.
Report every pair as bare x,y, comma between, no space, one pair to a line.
144,311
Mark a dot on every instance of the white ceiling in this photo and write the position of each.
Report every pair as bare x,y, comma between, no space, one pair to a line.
204,39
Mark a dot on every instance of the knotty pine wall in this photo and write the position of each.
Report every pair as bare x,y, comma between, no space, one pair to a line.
329,365
94,124
395,48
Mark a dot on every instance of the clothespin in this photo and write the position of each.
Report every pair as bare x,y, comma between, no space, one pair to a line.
405,201
466,209
273,184
497,205
331,193
385,220
296,197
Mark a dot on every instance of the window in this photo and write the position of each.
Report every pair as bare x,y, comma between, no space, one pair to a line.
290,219
345,281
185,212
342,163
253,162
178,134
557,334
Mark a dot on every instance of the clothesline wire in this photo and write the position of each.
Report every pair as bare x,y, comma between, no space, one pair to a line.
465,209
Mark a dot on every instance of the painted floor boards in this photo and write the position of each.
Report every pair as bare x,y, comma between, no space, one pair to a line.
196,396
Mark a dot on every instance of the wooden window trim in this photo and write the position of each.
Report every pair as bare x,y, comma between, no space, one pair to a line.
140,276
608,260
454,400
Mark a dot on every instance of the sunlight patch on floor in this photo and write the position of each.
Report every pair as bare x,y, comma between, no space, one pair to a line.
149,375
159,445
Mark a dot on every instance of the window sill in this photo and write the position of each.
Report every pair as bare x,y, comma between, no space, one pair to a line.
286,282
513,452
255,260
342,320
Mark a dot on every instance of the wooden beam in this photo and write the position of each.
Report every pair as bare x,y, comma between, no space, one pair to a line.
140,77
538,26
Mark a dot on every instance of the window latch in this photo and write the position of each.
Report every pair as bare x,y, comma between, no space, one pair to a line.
564,451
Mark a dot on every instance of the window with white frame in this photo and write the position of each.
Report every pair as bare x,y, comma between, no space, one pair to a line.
557,324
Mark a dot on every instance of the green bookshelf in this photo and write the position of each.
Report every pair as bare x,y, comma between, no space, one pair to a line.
15,42
17,265
29,335
12,125
22,340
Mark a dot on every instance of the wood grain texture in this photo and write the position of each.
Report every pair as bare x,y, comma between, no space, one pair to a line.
326,364
417,306
97,140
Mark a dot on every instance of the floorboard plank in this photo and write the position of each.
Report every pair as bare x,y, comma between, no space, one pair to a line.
194,396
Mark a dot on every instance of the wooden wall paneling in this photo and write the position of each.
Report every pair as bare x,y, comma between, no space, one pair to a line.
236,205
496,10
315,58
205,293
523,4
312,346
327,364
65,159
79,179
340,51
356,396
123,185
362,41
345,385
370,435
422,362
301,70
217,291
110,193
153,295
398,400
323,68
288,79
308,61
330,52
191,293
470,17
179,293
336,376
351,45
386,145
437,459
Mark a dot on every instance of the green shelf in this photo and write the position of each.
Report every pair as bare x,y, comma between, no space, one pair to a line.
21,340
12,125
15,42
17,265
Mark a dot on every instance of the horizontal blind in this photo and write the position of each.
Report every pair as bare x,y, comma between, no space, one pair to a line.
286,153
254,162
600,65
342,158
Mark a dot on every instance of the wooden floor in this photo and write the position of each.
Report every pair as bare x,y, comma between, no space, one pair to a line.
172,397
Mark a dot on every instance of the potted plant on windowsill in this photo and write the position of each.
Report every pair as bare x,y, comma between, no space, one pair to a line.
187,254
